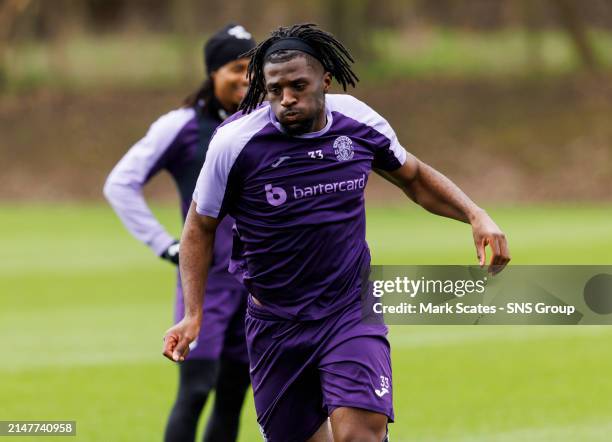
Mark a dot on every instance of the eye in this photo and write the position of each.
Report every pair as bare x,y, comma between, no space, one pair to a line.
300,86
273,90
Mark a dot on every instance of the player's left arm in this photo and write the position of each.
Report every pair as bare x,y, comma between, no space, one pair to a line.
439,195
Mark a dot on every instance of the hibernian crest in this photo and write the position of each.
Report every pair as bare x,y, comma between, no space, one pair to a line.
343,148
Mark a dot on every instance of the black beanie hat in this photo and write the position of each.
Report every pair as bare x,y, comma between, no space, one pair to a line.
227,45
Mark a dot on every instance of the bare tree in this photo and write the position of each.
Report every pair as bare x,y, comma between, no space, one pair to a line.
531,13
348,20
574,24
10,11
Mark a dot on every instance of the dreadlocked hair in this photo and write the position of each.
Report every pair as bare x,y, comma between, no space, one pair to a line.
335,58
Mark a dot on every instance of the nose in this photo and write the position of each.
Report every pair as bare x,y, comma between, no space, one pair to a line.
244,79
288,99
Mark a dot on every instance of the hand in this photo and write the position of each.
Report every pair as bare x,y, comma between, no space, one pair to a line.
172,253
485,233
178,338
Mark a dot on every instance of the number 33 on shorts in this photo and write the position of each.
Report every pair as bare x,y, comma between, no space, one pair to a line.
384,387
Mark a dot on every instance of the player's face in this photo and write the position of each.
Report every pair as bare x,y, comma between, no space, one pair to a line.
296,91
231,83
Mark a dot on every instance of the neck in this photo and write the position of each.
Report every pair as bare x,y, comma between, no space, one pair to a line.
320,121
230,108
216,109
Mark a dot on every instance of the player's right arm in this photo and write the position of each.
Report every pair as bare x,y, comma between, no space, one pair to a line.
197,241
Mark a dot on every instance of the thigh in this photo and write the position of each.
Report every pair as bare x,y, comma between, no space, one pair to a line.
232,382
286,382
197,377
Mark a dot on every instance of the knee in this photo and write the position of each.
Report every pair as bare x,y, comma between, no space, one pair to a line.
200,391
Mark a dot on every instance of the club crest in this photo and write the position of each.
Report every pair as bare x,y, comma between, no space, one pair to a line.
343,148
239,32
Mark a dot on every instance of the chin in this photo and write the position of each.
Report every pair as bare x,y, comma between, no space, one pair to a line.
297,127
234,107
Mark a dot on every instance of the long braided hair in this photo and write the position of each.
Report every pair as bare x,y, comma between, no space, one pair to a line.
335,58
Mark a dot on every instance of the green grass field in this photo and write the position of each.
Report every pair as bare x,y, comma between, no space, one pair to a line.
83,308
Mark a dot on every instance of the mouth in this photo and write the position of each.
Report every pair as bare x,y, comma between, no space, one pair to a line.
291,116
241,91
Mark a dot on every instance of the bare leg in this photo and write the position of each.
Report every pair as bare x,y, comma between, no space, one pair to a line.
323,434
357,425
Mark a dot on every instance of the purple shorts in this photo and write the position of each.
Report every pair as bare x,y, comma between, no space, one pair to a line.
222,333
302,371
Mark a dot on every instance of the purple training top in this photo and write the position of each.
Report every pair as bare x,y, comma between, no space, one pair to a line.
298,203
172,144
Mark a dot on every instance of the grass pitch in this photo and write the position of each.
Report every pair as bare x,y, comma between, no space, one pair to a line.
83,308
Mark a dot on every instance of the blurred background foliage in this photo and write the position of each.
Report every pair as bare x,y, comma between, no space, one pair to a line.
142,43
510,98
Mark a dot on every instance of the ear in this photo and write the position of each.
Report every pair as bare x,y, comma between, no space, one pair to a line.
327,80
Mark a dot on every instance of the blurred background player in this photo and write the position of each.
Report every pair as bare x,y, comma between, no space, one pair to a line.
177,142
